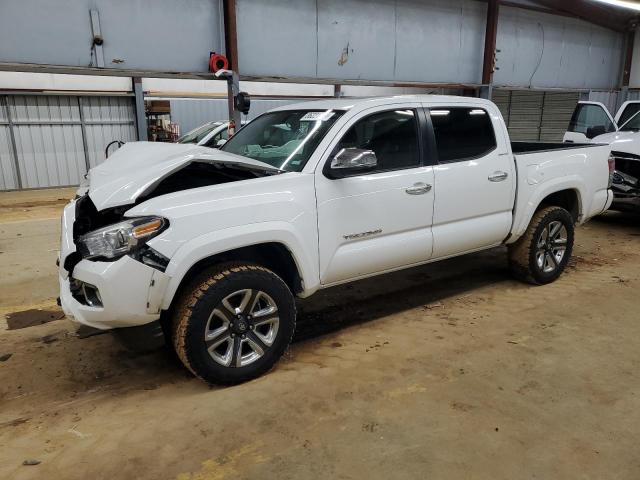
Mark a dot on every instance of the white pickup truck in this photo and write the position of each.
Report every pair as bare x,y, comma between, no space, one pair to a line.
216,244
592,123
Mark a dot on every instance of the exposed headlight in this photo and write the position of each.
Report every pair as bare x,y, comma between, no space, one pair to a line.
121,238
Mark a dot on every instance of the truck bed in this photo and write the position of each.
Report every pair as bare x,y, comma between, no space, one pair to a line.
547,167
535,147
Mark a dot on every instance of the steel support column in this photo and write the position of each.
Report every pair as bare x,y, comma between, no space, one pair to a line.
141,118
489,59
629,39
14,147
83,129
231,51
628,57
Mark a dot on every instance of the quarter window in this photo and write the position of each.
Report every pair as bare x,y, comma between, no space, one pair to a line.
462,133
391,135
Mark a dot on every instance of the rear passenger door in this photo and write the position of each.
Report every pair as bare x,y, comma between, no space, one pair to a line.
474,180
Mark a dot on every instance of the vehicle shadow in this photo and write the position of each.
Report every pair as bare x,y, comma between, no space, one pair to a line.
377,297
628,221
102,364
360,302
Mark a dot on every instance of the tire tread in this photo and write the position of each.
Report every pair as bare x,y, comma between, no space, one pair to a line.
520,251
195,290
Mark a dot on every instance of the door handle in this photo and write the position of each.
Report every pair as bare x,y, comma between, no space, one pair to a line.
498,176
418,188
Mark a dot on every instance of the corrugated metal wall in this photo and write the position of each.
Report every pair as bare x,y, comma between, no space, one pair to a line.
57,137
557,110
48,139
536,115
107,119
190,113
634,95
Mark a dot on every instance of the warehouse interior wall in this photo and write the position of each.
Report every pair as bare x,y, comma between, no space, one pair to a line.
360,40
402,41
163,35
542,50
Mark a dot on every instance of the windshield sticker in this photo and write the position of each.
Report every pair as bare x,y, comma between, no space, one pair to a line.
317,116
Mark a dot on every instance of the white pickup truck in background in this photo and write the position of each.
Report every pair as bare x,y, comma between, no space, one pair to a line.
592,123
216,244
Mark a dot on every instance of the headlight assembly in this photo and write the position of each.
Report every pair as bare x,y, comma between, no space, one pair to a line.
121,238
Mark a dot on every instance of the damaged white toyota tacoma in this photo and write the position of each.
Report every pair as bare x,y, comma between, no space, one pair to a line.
216,244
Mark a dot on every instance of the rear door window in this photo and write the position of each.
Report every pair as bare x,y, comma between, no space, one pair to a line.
462,133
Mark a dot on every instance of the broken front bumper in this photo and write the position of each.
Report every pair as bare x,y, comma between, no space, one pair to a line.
129,293
105,295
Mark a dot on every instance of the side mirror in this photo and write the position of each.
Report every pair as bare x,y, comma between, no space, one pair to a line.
349,161
220,142
595,131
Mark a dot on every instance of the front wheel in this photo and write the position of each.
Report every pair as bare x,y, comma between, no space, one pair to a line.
542,253
233,323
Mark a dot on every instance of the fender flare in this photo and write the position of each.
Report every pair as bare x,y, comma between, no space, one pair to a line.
543,191
221,241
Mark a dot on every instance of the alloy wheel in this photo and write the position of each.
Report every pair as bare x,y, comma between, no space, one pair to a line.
551,246
241,328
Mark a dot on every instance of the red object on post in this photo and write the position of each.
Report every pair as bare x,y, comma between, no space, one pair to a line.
232,128
217,62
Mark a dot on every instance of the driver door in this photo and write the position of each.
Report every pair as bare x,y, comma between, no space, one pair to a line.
589,120
377,220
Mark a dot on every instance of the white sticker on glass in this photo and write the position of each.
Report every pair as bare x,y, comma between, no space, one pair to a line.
317,116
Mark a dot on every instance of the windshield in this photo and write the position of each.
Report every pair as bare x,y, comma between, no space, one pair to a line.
283,139
197,134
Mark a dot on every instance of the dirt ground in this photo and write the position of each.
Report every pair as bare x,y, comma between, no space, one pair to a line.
446,371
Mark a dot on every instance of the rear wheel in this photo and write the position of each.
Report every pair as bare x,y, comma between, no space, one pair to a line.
233,323
542,253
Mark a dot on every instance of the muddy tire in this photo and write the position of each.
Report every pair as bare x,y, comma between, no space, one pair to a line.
233,323
542,253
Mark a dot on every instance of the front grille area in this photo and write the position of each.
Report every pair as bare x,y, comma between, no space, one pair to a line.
626,177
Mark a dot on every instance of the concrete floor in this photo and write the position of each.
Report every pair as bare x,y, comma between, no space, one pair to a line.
446,371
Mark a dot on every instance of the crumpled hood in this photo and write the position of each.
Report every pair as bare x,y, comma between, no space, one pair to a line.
138,167
623,141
